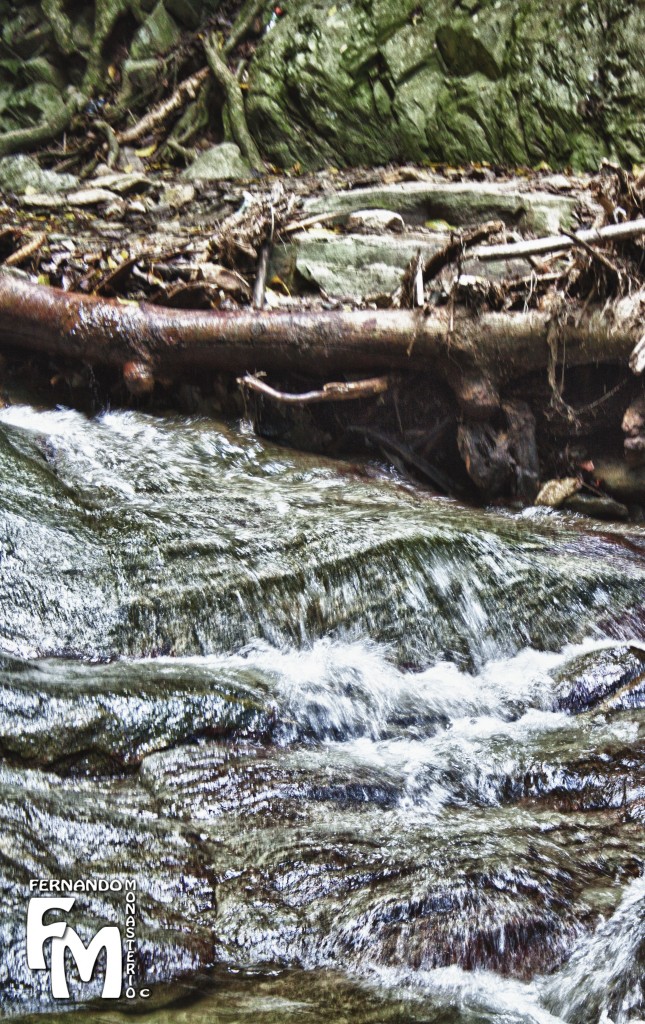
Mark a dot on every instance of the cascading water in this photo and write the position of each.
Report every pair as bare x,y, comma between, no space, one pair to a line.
368,755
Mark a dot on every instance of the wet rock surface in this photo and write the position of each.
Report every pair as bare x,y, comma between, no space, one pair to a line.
305,800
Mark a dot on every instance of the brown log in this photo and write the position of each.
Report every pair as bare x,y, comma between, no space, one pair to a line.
98,330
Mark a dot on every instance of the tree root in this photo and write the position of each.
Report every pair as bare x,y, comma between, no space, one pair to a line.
25,139
234,102
249,11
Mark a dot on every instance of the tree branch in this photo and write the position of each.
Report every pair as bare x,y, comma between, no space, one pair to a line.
335,391
560,243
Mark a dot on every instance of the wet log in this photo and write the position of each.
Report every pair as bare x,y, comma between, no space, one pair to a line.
97,330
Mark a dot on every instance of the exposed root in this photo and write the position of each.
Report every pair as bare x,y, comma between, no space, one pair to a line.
234,102
25,139
242,25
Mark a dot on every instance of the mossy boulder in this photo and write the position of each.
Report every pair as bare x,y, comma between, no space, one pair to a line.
367,81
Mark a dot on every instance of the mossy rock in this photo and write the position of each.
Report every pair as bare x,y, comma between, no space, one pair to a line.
158,34
368,81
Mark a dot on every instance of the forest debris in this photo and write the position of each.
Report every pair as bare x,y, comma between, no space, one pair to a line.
459,242
335,391
109,283
227,280
554,493
560,243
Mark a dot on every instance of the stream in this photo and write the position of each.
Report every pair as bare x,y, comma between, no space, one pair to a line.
367,754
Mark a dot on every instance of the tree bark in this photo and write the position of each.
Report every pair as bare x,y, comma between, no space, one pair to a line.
96,330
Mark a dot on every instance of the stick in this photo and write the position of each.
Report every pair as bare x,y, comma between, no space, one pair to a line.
560,243
259,287
335,391
594,254
25,251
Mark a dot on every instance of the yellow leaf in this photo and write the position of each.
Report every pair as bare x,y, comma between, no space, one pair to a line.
147,150
332,11
112,264
280,283
113,74
43,279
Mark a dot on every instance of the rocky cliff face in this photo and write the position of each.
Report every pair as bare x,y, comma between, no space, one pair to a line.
368,81
346,82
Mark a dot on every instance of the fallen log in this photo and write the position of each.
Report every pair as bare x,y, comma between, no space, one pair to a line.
97,330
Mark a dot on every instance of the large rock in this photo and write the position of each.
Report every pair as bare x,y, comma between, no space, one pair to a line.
219,163
20,173
369,81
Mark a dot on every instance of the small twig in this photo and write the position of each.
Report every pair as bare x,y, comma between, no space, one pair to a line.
186,89
560,243
27,250
594,253
259,288
335,391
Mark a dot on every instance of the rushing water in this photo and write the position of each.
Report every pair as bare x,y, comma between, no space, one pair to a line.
368,755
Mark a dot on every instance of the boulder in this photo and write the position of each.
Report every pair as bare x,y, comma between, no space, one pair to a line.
158,34
21,173
219,163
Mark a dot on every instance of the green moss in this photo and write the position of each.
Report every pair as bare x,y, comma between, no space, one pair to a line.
513,82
